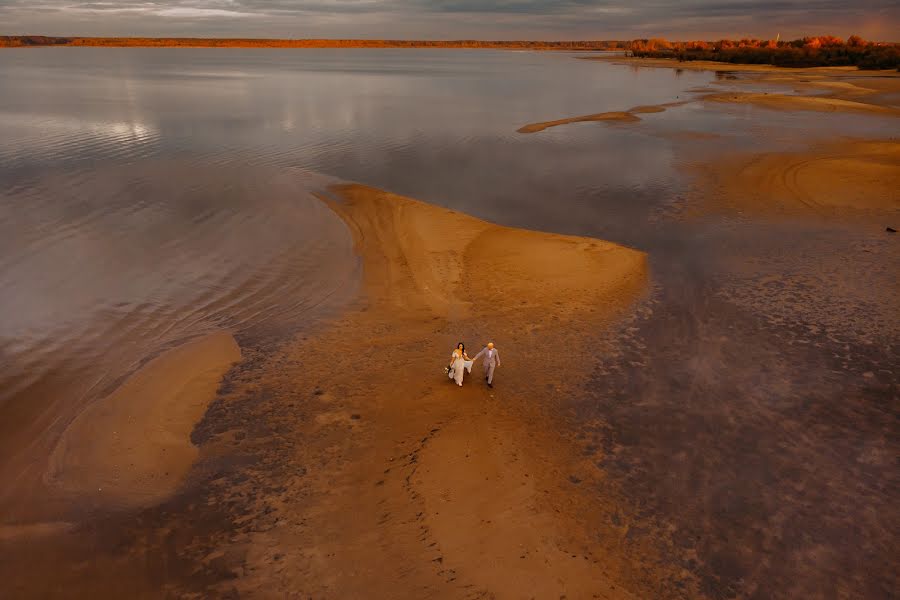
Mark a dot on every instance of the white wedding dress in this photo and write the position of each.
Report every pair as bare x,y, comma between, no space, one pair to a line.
458,368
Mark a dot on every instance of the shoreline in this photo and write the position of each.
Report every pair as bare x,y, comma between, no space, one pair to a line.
133,447
842,96
708,65
367,444
433,479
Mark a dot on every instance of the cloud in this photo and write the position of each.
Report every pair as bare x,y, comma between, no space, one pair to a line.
187,12
560,19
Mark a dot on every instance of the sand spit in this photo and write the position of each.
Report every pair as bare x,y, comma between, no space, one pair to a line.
133,447
419,256
616,116
813,103
423,489
837,177
628,116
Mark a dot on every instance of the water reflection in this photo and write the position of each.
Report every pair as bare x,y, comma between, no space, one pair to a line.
148,195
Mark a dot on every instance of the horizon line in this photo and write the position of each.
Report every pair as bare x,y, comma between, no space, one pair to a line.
399,39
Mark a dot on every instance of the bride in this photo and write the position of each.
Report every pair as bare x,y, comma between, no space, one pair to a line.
459,361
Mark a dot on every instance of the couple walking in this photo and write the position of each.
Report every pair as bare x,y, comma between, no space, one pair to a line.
460,362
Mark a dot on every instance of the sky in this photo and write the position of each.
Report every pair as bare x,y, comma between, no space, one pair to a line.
455,19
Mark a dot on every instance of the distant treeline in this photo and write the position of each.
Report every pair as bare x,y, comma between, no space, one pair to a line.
39,40
806,52
821,51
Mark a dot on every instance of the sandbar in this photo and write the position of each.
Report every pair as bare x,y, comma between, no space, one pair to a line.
412,483
810,103
417,255
857,175
627,116
133,447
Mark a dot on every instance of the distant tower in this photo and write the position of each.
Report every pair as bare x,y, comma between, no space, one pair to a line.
777,38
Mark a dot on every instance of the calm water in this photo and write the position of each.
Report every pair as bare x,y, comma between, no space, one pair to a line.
150,195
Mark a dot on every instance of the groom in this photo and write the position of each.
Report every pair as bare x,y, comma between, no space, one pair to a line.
491,360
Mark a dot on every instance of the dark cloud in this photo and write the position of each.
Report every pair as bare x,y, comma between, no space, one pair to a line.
562,19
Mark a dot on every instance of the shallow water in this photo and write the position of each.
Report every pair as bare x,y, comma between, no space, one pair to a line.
150,195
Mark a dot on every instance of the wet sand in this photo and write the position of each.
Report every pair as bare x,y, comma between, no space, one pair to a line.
789,102
829,179
133,447
825,89
346,463
430,483
620,117
628,116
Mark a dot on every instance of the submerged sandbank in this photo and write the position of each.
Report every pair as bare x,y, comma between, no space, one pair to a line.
792,102
618,116
848,175
842,96
133,447
628,116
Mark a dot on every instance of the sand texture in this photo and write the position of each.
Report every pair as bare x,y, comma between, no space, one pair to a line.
435,483
859,176
814,103
357,469
628,116
418,256
620,116
133,447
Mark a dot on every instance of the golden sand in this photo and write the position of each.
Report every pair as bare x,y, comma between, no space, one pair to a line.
421,257
436,481
827,179
621,117
813,103
133,447
628,116
381,477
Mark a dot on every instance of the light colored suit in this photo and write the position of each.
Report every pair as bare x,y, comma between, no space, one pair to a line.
491,360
